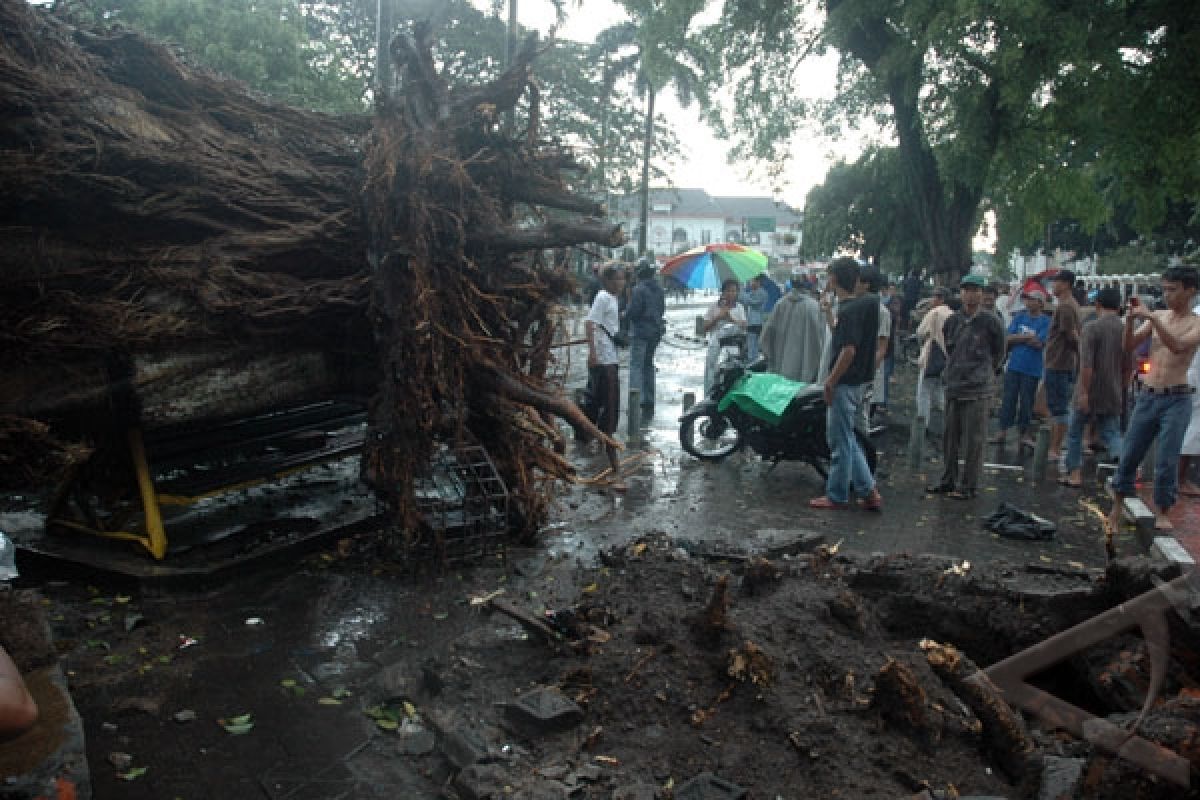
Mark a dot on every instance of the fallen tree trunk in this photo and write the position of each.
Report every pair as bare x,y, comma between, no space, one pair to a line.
157,214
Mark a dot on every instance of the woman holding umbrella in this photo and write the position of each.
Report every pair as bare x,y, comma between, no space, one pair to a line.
725,311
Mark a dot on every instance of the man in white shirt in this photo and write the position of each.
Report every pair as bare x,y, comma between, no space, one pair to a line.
602,324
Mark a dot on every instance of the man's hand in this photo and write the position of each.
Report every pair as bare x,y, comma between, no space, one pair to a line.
1141,312
828,393
1082,402
591,358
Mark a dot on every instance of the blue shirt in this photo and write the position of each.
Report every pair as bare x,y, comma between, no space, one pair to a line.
1022,358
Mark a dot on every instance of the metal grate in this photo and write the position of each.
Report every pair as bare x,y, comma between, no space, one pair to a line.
464,503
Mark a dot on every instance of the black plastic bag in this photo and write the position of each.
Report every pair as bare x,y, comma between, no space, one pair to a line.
1015,523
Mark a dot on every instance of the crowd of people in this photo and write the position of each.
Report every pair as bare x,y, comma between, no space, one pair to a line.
984,354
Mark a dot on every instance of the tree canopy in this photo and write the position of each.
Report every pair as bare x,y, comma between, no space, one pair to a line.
321,56
1078,108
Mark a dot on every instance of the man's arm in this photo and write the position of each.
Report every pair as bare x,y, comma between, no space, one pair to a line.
1176,344
18,711
997,345
1130,340
844,359
590,328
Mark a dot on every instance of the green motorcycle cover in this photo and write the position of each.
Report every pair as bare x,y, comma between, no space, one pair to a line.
762,395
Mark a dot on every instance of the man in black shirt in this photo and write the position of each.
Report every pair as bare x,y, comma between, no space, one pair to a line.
853,366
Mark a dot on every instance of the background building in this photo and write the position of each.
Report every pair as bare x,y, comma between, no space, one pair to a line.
681,219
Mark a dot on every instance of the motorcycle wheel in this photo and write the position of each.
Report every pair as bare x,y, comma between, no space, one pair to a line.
709,436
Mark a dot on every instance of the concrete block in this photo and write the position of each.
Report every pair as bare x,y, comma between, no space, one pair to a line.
463,747
639,791
1169,549
1139,513
1061,778
481,781
707,786
544,709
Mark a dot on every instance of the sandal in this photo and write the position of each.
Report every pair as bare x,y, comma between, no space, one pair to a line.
1070,483
823,503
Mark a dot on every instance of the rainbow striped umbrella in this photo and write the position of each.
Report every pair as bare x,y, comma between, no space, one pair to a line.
706,267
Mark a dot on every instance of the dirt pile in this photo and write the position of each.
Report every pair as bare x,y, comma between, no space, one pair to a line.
821,676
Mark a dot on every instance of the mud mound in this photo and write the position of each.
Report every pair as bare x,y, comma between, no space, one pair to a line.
816,677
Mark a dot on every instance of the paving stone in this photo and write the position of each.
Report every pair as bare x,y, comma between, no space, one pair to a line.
639,791
413,740
1061,778
481,781
463,747
1169,549
393,681
707,786
544,709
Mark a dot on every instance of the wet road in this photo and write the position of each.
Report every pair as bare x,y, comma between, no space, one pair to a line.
744,498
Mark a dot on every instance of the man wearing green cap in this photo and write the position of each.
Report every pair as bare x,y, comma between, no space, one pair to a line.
974,350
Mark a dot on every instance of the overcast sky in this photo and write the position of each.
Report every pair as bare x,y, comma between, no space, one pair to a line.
704,165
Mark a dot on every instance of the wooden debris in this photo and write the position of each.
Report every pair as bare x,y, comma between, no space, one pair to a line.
1005,736
899,697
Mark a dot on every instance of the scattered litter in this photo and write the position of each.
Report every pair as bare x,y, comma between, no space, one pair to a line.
958,569
255,621
480,600
122,761
186,715
238,725
132,774
186,641
1016,523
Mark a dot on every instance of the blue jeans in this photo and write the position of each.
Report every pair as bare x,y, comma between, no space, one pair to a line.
1060,384
1016,403
641,368
1108,430
1164,416
847,463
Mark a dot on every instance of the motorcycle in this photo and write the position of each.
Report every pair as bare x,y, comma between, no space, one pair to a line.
712,429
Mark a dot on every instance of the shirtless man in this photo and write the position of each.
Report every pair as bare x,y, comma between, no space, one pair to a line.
1164,402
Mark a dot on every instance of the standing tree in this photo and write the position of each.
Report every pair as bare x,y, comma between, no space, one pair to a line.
982,98
862,207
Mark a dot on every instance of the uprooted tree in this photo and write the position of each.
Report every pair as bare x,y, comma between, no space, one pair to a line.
160,220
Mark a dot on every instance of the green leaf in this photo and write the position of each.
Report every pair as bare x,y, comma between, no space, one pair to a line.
387,724
133,773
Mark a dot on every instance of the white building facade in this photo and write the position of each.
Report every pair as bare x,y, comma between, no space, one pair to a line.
680,219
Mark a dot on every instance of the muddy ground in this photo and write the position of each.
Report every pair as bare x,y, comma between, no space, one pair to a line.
341,675
361,683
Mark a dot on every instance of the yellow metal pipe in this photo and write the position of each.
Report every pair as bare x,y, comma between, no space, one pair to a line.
157,541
